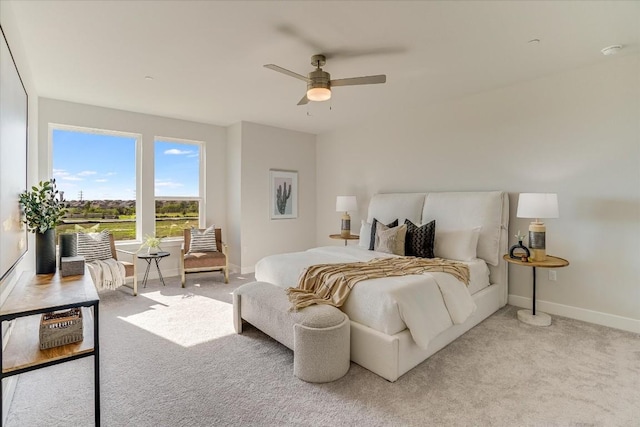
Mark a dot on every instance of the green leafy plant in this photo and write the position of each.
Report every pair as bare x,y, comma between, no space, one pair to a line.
43,206
151,242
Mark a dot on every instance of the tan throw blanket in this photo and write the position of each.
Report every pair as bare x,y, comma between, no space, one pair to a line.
332,283
107,273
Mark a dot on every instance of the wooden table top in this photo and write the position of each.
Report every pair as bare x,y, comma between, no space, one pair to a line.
38,293
550,262
341,237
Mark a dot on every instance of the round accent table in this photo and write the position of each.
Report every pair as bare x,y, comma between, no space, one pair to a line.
341,237
530,317
149,258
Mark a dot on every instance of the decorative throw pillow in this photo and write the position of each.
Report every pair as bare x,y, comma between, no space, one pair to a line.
390,240
365,234
94,246
420,239
203,241
373,232
457,244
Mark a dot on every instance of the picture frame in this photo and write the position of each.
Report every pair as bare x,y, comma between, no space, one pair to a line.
13,160
283,194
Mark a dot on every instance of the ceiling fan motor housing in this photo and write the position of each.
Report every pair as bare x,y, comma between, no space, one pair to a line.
318,78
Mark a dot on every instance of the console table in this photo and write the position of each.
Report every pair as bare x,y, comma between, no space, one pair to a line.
36,294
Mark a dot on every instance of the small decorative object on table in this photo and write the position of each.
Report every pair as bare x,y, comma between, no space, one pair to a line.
519,251
71,265
152,243
60,328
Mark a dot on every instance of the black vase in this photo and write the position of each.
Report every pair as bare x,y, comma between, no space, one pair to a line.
516,251
46,252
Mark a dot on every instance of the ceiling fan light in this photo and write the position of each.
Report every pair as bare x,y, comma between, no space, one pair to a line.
319,94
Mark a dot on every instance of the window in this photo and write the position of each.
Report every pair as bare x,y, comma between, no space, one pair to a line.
178,186
96,172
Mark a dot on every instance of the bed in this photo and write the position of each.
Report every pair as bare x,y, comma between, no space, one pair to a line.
398,322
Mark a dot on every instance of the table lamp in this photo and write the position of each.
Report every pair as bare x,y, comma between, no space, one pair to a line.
537,205
346,204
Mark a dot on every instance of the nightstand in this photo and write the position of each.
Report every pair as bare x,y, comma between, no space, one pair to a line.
341,237
530,317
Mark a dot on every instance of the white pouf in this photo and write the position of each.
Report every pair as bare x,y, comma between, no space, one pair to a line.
318,335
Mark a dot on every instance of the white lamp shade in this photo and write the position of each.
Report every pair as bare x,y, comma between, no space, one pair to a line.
538,205
346,204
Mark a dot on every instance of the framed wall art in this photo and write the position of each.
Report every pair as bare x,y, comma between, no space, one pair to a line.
284,194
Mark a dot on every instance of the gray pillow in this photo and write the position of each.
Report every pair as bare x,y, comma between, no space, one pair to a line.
373,232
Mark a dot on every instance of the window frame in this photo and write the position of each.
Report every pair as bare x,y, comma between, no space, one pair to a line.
138,163
201,198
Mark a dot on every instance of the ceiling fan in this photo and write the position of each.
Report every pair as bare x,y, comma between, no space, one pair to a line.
319,82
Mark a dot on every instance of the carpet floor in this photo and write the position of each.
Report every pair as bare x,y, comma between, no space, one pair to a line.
169,357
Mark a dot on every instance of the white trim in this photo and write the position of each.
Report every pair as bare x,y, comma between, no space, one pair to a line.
591,316
248,270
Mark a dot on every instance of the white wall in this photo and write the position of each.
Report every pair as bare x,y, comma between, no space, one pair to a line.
265,148
234,195
150,127
576,134
10,29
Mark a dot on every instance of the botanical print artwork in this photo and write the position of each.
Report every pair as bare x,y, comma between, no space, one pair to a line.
284,194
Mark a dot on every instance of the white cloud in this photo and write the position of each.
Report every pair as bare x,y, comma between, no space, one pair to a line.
168,184
71,178
87,173
102,180
175,151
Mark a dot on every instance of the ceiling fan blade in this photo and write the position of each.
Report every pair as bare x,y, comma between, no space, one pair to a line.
287,72
367,80
304,100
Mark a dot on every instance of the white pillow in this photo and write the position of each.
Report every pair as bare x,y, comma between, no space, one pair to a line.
457,244
365,235
390,240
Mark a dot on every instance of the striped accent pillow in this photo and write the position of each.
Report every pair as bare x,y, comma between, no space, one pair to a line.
203,241
94,246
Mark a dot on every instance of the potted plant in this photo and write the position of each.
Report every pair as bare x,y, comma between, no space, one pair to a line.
152,243
43,207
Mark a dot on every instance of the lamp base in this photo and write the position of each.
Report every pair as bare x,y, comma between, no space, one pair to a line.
345,227
538,319
537,241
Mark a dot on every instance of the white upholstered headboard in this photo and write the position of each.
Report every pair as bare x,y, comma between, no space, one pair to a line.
454,211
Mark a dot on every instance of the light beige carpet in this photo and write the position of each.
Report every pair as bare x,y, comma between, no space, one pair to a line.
169,357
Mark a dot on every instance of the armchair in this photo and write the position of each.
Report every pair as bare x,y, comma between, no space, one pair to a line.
192,262
130,268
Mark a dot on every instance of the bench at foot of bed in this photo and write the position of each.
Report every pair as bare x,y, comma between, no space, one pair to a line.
319,335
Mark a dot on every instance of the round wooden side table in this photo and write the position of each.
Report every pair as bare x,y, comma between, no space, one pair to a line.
530,317
341,237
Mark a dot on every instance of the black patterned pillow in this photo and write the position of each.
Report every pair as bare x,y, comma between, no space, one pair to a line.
203,241
94,246
372,243
419,240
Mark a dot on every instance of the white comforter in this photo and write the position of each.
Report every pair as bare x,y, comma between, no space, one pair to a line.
425,304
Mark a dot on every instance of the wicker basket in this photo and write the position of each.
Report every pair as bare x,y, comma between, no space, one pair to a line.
60,328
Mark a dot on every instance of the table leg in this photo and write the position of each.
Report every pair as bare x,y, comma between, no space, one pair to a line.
534,291
146,273
159,272
96,360
345,242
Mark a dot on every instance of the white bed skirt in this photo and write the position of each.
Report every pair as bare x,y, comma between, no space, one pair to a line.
390,356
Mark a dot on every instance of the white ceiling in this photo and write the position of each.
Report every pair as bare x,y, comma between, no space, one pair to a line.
207,57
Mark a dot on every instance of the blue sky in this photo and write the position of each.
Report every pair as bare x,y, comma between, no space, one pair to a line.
103,166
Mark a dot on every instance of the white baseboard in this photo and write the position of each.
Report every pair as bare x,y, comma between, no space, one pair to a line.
248,270
597,317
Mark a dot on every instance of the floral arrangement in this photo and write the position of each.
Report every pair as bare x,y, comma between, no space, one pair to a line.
520,237
43,206
151,242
